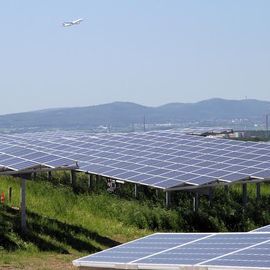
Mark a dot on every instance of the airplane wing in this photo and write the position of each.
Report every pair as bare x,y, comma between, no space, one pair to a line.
77,21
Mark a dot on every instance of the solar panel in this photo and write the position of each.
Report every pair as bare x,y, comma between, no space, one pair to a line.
256,256
263,229
23,165
168,154
173,250
169,184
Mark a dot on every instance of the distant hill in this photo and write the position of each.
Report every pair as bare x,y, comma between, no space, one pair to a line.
126,113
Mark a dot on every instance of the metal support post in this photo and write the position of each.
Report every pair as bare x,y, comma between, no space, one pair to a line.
73,178
196,201
10,194
136,191
168,198
49,175
258,191
23,205
90,181
244,194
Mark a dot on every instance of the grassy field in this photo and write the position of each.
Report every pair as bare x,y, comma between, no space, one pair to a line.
61,226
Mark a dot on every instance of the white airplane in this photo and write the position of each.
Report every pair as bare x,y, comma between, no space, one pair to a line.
66,24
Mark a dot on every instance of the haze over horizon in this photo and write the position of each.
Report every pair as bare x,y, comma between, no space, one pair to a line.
150,53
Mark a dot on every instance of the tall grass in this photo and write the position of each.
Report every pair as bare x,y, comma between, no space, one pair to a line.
63,221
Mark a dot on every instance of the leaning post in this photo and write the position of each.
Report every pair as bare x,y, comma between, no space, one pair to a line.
168,198
136,191
23,205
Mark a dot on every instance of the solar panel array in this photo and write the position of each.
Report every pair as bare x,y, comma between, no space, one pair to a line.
165,250
161,159
19,155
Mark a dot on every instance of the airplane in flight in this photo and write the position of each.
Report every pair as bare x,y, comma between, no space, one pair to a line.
66,24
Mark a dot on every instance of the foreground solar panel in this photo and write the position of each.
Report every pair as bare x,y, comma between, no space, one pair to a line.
263,229
168,160
186,250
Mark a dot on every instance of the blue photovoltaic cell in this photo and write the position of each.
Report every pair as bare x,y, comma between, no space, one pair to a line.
46,158
175,166
206,249
4,157
159,171
251,171
235,168
170,183
143,247
140,177
188,169
262,151
60,162
146,169
154,180
232,161
257,256
172,174
98,169
190,249
204,171
218,173
133,167
263,174
202,180
79,157
233,177
207,164
219,166
114,172
263,165
262,158
11,161
151,162
120,164
250,163
24,165
127,175
192,155
263,229
187,176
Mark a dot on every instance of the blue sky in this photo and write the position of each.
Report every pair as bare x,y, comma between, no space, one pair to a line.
144,51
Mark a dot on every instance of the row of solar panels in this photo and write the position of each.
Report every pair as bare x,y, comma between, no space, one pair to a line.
162,159
187,251
21,157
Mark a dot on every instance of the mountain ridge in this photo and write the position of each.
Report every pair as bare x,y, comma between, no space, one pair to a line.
126,113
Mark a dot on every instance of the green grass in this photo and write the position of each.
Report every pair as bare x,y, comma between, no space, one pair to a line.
60,222
64,225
